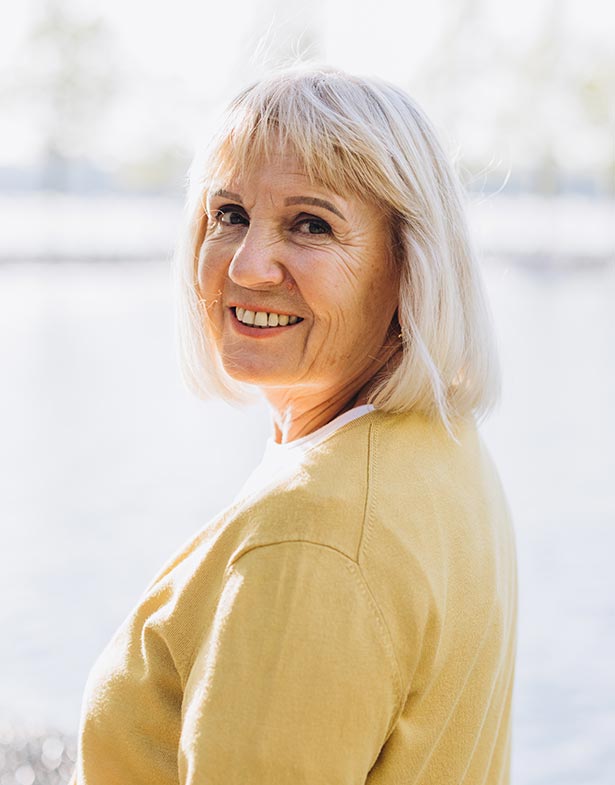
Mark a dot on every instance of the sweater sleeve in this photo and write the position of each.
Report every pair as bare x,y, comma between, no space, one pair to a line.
296,681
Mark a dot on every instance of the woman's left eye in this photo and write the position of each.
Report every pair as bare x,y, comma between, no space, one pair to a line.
312,225
230,217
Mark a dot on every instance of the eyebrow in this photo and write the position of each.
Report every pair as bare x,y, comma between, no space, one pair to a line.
290,200
316,202
227,195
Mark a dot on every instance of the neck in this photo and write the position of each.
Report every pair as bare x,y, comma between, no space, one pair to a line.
299,411
301,417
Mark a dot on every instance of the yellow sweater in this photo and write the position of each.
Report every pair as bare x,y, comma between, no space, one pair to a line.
352,623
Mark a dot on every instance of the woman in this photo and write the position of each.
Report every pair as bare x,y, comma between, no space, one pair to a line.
351,617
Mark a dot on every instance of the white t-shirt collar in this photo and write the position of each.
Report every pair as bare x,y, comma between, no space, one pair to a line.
278,458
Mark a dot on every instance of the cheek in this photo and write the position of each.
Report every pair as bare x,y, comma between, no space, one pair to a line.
210,273
346,293
379,285
379,306
385,285
386,297
210,279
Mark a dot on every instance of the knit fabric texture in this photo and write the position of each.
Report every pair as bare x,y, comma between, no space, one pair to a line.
354,622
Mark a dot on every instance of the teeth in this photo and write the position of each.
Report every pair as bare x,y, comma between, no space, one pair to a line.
264,319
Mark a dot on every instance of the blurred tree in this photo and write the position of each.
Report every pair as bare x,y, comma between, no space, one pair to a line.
541,103
68,75
560,115
596,96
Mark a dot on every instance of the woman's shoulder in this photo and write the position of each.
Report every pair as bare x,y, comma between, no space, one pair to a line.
381,460
320,499
426,452
430,488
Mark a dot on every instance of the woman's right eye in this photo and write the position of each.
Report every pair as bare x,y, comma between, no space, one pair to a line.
231,215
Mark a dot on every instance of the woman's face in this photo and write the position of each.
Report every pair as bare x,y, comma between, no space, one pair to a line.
311,265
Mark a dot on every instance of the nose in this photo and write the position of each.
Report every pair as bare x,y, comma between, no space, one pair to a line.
255,264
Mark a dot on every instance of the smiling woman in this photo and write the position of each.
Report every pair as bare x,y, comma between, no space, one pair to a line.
370,147
351,618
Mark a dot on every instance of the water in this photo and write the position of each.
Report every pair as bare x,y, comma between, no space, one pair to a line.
107,466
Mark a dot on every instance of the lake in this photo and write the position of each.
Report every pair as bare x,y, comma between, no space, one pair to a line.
107,466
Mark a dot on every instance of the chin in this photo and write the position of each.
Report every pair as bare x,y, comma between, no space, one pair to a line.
256,373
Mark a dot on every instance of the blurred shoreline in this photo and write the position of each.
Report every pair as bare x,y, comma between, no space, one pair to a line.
561,232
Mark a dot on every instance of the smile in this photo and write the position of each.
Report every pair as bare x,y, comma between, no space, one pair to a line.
264,318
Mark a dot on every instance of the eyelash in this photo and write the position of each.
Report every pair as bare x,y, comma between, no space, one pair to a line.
302,220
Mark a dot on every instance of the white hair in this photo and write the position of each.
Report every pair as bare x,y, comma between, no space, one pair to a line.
365,137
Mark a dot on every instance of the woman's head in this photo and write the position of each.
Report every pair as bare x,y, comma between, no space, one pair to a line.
361,145
281,246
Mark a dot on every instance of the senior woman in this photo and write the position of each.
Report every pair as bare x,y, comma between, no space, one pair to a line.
351,617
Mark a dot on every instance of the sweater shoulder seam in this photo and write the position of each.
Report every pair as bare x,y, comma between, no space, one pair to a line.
355,569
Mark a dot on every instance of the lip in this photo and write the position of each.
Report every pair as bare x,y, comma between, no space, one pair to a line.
258,332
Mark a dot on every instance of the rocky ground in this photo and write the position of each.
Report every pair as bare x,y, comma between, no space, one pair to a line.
35,756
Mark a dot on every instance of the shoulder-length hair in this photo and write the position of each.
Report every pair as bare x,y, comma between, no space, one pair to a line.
364,137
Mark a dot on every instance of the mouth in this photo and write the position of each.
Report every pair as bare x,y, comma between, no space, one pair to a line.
264,319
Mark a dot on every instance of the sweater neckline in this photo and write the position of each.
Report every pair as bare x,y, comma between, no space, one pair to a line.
282,459
317,436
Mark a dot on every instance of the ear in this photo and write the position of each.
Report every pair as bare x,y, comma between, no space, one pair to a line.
395,328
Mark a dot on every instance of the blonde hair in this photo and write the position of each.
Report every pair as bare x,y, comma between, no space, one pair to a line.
368,138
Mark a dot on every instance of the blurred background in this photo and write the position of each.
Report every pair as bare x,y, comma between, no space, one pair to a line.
107,466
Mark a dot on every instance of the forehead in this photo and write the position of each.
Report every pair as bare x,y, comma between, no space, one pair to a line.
244,153
278,168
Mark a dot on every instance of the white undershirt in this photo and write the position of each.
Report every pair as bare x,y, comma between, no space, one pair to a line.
281,458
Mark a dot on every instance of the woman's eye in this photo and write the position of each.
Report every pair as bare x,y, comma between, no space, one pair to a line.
231,216
312,226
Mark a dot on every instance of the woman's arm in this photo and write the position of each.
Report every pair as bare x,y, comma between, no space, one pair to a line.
296,682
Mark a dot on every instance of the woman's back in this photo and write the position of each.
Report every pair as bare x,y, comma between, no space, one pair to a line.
354,622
